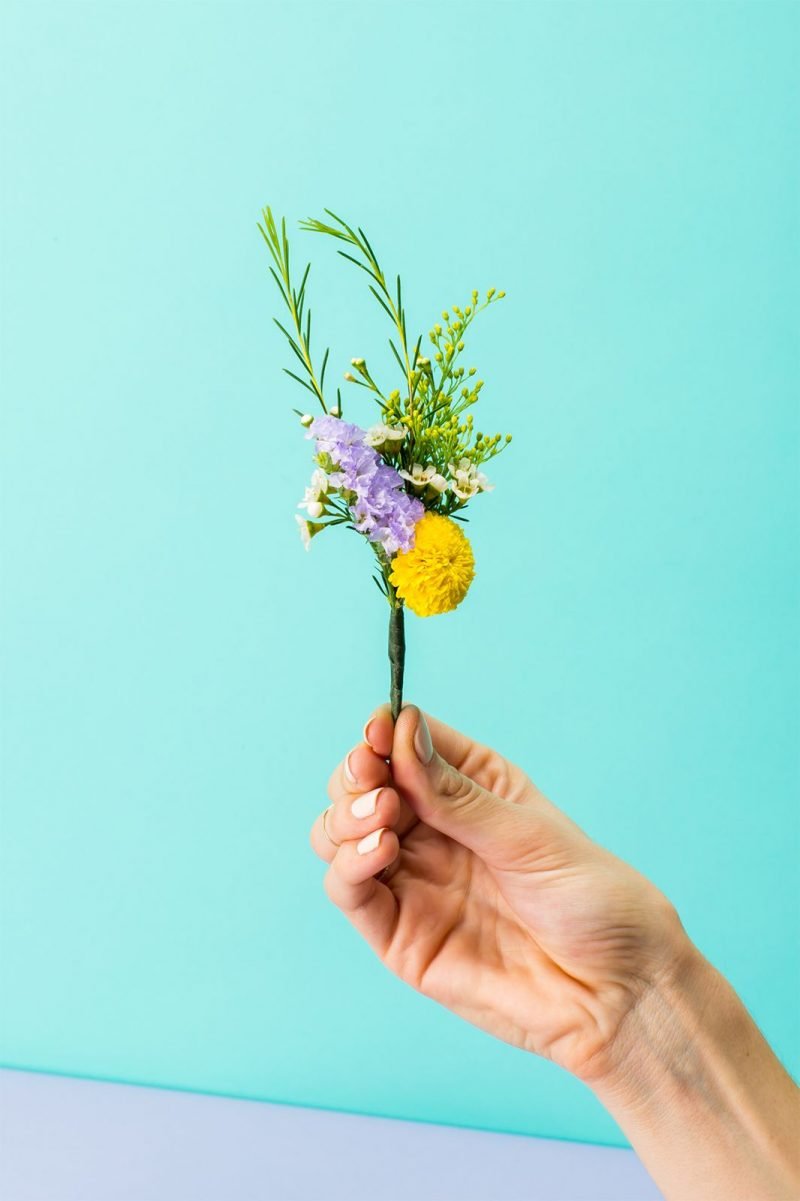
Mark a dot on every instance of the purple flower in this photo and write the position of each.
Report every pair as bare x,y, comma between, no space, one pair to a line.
381,508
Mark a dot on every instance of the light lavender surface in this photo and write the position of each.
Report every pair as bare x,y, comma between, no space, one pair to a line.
78,1140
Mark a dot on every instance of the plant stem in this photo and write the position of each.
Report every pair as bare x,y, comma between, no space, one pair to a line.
397,655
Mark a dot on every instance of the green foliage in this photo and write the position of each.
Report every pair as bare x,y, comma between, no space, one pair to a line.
295,301
442,451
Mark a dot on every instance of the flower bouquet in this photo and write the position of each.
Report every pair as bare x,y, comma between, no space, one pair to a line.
404,481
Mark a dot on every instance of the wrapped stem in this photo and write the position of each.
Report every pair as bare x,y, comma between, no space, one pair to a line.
397,655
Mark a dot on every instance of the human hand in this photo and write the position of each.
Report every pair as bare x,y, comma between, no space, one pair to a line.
490,900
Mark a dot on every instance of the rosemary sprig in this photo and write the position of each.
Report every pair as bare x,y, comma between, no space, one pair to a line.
392,304
295,301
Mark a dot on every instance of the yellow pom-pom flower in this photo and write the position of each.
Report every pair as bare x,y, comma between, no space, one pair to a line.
435,575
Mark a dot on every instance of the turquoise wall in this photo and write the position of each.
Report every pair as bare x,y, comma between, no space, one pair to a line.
178,678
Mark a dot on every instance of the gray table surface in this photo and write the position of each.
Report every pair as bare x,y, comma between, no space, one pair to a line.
64,1139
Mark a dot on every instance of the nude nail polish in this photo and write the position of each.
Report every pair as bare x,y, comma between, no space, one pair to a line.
423,744
370,843
365,805
348,771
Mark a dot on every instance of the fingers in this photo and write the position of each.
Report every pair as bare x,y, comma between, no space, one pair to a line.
379,731
350,883
449,800
352,817
505,834
358,790
359,771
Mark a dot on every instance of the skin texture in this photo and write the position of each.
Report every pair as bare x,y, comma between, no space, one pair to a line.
493,903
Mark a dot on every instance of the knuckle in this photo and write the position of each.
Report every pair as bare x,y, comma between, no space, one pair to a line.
452,784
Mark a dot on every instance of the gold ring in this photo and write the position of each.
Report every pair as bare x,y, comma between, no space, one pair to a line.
325,828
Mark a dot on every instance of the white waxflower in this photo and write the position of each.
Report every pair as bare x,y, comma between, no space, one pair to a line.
308,529
421,478
305,530
318,488
385,438
306,420
467,481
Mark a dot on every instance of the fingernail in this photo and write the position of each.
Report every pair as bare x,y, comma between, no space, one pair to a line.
422,741
365,806
370,843
348,771
366,733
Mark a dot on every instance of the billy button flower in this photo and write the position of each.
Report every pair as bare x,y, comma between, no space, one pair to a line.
435,574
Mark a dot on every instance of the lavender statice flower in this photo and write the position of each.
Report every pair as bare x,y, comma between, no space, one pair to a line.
381,508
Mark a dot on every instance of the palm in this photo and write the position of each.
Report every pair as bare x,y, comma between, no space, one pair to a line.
460,942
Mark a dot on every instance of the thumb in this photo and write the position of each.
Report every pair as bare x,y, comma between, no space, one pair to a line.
444,798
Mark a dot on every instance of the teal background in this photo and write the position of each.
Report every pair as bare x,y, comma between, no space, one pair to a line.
179,678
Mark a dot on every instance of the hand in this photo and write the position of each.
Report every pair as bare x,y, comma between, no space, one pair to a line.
477,891
491,901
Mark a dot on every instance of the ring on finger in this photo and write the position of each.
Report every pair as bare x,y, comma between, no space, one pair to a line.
325,827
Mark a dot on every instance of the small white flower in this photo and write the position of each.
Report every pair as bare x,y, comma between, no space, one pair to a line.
418,475
318,487
335,411
385,438
306,420
305,530
467,481
421,478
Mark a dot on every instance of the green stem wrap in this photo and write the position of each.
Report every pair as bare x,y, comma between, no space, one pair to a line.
397,656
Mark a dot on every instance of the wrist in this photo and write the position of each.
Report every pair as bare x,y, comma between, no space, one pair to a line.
664,1019
694,1085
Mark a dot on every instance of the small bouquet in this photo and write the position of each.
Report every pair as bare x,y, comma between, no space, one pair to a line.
404,481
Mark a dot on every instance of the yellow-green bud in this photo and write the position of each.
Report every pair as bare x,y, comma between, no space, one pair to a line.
500,295
490,293
445,315
472,370
357,362
348,375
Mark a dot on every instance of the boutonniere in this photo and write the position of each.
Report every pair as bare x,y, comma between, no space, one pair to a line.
402,477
